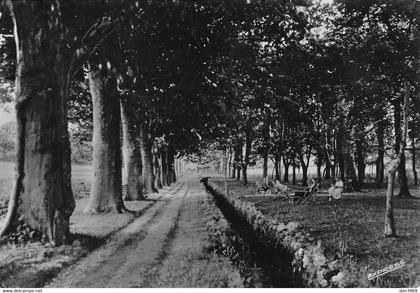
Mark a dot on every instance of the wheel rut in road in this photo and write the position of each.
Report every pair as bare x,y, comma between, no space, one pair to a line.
186,261
153,269
133,251
145,255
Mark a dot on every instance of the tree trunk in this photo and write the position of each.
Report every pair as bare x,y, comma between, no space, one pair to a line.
157,171
265,163
319,172
165,176
171,165
230,167
402,174
160,161
380,167
328,167
146,144
222,165
41,195
286,171
229,170
361,165
266,137
319,161
172,168
304,169
168,168
177,169
402,178
235,162
345,160
304,175
238,170
183,168
165,168
413,161
238,173
233,171
390,230
238,160
293,173
106,191
340,156
276,168
179,176
248,143
131,150
350,171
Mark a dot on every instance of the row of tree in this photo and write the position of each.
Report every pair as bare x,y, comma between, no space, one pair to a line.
138,71
258,79
328,88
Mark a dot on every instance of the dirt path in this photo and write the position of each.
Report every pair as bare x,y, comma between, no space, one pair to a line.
165,247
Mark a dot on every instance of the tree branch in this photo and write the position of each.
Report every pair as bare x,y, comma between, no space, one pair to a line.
91,41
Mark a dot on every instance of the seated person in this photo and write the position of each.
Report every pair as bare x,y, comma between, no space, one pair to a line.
334,192
262,187
312,187
311,184
278,186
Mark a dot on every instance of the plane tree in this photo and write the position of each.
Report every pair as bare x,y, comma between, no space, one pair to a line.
167,49
378,60
51,44
41,86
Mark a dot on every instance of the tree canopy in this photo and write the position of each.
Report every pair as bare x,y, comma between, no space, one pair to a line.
295,82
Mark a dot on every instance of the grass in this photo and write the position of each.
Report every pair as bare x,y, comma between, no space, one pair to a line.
33,264
81,180
209,271
203,266
352,231
6,185
25,264
80,187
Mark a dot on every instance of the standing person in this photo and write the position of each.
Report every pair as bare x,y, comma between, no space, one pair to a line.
335,191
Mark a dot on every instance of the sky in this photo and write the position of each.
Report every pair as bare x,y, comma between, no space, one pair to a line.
7,113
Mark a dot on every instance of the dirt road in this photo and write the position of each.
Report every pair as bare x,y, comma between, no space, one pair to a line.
165,247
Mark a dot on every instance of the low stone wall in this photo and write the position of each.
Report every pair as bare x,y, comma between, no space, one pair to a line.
308,258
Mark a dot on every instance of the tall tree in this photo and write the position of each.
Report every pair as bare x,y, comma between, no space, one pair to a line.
146,147
131,149
42,183
106,190
390,230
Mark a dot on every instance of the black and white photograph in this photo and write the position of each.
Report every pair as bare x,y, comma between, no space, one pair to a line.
209,144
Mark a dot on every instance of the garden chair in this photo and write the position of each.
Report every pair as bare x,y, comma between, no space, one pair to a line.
262,188
286,190
308,194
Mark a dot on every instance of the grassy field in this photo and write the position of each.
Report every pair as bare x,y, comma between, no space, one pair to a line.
352,231
81,180
78,171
